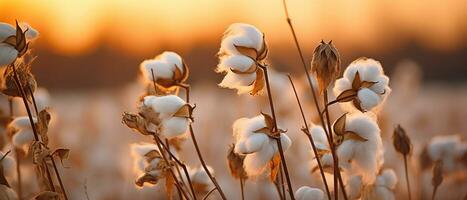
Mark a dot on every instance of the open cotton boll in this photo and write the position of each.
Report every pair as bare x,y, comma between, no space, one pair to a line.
446,148
6,30
308,193
365,157
240,34
174,127
138,151
23,133
8,163
8,54
372,88
241,82
244,127
199,176
172,58
42,97
252,144
166,106
160,69
255,163
383,188
387,178
164,68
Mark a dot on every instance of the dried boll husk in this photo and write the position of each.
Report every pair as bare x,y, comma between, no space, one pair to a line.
401,141
235,162
26,78
135,122
325,64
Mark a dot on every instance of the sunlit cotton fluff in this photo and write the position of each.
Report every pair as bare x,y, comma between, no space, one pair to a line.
200,179
169,120
242,48
308,193
8,53
373,90
362,157
383,188
23,134
450,149
322,146
42,97
147,161
168,69
8,163
259,148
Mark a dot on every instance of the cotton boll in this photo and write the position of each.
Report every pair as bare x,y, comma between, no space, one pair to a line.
445,148
368,99
240,34
241,82
6,30
138,151
238,62
255,163
200,176
22,138
8,54
353,187
42,98
160,69
366,157
174,127
388,178
172,58
308,193
252,144
166,106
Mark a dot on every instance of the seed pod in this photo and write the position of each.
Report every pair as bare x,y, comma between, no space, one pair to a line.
401,141
325,64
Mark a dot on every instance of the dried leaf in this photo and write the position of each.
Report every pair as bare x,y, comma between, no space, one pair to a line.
151,155
247,51
356,103
268,120
356,83
42,125
185,111
146,178
177,74
62,154
275,164
149,114
258,84
39,152
367,84
235,162
347,95
169,186
48,195
339,125
135,122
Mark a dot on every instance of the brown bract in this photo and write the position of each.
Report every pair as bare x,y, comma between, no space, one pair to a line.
401,141
342,134
18,41
351,94
26,78
136,122
235,162
178,78
185,111
325,64
42,125
269,128
39,152
258,57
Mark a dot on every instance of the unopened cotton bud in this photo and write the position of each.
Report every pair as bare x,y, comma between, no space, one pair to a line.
401,141
325,64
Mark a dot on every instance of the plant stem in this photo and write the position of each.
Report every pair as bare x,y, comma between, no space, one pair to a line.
58,177
209,193
198,152
310,139
281,173
18,173
51,158
241,188
278,139
278,190
434,193
185,170
49,177
177,184
337,173
407,176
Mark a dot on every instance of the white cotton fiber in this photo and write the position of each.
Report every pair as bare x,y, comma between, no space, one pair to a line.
174,127
7,54
165,105
368,98
308,193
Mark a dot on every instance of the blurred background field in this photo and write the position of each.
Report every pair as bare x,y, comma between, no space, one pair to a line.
89,54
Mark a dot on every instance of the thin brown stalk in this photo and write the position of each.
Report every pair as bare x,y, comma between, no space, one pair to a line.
241,188
18,173
171,157
337,174
209,193
198,152
51,158
407,177
58,177
281,176
172,173
49,177
310,139
181,164
278,188
278,140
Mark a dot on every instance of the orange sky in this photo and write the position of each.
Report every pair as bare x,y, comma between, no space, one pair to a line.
75,27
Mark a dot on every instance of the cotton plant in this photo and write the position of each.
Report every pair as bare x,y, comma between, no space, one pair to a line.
148,164
166,71
242,54
363,87
449,149
309,193
253,139
14,41
200,180
22,133
324,151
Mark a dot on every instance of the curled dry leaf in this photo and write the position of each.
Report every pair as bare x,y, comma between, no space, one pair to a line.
39,152
342,134
48,195
401,141
42,125
185,111
26,78
136,122
235,162
259,82
146,178
269,128
149,114
62,154
274,164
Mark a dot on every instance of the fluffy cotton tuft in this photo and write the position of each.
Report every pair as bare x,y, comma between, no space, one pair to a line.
259,148
383,188
8,163
168,69
42,98
368,98
23,133
240,68
308,193
8,53
166,107
363,157
449,149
